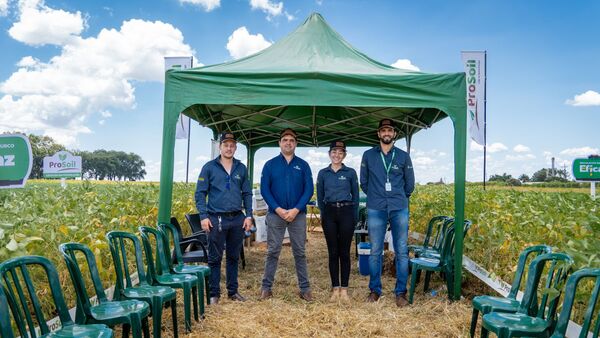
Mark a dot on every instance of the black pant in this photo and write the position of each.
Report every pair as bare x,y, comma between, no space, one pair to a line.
338,227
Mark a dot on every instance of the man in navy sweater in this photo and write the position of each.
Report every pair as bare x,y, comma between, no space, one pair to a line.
286,185
388,179
225,182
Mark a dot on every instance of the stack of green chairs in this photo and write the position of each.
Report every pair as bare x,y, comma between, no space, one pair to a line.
156,296
509,304
532,320
159,273
132,314
25,304
179,267
434,236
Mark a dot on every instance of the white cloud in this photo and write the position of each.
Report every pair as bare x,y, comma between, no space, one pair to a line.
578,152
520,157
271,8
241,43
202,158
3,7
106,114
40,25
207,5
423,161
491,148
405,64
589,98
519,148
89,76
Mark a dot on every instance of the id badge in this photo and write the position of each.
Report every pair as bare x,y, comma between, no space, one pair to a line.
388,186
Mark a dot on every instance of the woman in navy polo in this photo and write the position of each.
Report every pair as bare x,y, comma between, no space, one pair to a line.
337,198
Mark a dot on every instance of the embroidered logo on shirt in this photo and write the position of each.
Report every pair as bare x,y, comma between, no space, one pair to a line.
395,167
237,176
409,167
297,167
342,178
201,179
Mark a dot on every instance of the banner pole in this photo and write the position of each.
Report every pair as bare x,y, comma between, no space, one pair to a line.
484,117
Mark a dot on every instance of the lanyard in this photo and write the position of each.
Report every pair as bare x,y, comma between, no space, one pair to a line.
386,166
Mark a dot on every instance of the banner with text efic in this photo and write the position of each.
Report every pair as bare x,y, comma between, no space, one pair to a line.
474,63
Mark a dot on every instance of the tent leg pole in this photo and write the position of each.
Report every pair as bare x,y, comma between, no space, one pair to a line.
165,196
460,150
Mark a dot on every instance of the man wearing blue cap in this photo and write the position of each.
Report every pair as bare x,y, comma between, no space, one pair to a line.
388,179
225,181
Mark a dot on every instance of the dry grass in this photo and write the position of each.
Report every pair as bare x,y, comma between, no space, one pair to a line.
286,315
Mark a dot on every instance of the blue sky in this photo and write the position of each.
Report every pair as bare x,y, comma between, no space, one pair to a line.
89,73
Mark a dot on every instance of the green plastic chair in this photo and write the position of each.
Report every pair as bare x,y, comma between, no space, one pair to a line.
509,304
132,314
5,329
532,320
432,264
176,265
25,304
159,274
156,296
433,235
565,313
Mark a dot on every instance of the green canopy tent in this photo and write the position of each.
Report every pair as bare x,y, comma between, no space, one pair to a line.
315,82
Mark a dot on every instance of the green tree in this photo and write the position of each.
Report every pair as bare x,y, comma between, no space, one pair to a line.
524,178
540,175
41,146
500,178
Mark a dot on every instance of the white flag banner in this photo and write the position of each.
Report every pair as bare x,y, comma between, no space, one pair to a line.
180,63
475,75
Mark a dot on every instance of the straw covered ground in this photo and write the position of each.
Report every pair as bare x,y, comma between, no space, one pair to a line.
286,315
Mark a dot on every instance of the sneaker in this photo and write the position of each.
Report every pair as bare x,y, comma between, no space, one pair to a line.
401,300
373,297
214,300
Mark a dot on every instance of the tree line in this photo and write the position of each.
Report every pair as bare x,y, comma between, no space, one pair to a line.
98,164
542,175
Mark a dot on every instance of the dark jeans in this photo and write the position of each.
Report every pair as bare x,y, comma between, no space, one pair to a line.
230,239
338,227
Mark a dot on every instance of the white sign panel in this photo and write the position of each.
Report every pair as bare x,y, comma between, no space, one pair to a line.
62,164
180,63
476,78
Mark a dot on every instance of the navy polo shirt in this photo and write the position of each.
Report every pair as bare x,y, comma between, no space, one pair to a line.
286,185
373,178
337,186
226,192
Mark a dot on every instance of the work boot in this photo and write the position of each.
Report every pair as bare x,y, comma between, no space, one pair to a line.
373,297
237,297
307,295
335,294
401,300
214,300
344,295
265,294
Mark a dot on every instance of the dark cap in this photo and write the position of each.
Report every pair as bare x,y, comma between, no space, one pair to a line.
288,131
226,136
337,145
386,123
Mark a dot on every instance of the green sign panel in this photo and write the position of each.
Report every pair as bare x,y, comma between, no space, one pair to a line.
586,169
15,160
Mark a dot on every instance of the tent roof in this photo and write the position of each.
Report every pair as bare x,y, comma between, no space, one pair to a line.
315,82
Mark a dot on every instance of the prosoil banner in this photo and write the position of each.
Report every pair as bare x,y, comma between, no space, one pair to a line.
475,74
180,63
15,160
62,165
